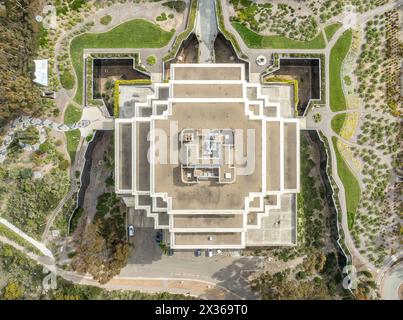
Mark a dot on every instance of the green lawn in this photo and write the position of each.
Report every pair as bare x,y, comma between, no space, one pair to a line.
337,55
131,34
72,115
67,80
331,29
351,185
257,41
337,122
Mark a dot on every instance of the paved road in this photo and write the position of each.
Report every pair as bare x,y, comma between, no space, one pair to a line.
198,288
147,260
225,271
392,286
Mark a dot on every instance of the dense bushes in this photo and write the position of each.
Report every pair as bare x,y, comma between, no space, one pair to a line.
102,250
279,19
21,278
179,6
33,200
18,39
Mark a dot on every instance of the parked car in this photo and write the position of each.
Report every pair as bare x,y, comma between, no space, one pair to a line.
170,252
209,252
198,253
131,230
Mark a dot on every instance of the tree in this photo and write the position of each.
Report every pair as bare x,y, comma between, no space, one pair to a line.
13,291
18,43
100,253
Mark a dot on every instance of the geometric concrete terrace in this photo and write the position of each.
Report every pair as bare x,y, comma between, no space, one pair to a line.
211,159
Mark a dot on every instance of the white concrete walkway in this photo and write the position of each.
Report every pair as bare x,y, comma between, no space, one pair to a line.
40,246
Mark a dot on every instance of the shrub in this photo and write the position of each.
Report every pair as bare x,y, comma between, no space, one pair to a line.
89,137
105,20
151,60
178,6
63,164
162,17
76,4
28,136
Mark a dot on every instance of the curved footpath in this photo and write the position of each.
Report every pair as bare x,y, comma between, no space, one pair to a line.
23,122
392,284
324,126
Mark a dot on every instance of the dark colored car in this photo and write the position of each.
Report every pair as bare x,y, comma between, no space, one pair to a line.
198,253
170,252
158,236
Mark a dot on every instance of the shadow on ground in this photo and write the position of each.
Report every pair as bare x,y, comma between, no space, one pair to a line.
234,277
146,250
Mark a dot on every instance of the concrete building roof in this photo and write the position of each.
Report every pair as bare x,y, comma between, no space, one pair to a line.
222,195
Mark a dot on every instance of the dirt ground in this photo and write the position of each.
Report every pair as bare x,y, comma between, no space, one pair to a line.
115,69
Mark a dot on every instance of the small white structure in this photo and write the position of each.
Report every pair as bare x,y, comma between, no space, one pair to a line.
41,72
261,60
37,175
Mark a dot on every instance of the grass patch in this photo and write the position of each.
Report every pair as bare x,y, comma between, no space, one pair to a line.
257,41
131,34
351,185
337,122
72,115
67,80
73,138
337,55
331,29
106,20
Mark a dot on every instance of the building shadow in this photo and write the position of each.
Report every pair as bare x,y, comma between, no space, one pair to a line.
234,277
